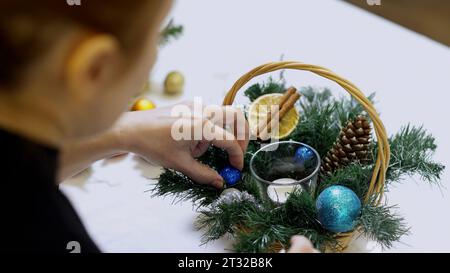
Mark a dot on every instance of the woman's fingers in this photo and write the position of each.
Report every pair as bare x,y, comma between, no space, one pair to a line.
228,116
300,244
209,128
199,172
221,138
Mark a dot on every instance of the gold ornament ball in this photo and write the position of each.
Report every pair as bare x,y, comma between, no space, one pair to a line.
143,104
174,83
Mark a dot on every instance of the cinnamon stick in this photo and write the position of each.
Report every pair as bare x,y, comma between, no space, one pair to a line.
289,104
289,92
264,122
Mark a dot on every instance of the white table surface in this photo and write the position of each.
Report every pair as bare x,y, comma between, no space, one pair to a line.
223,40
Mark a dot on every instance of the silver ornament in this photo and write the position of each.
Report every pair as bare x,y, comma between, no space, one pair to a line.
232,195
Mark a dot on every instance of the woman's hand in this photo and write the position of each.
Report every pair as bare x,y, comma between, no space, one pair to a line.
150,134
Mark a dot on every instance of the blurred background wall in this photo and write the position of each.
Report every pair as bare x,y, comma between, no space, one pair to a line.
429,17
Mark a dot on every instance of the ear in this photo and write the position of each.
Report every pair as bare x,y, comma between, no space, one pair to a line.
91,66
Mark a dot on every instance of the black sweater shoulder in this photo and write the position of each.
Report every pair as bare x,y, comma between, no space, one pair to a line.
36,216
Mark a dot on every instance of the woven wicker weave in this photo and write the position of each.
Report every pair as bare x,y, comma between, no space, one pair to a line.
383,153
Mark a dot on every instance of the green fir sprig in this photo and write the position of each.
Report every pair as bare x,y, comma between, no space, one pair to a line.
354,176
170,32
222,219
411,152
381,224
270,87
182,188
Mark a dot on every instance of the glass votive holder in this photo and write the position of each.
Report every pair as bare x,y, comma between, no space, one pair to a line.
285,166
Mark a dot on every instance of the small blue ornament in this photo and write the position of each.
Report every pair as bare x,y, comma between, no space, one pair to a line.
304,154
338,207
231,175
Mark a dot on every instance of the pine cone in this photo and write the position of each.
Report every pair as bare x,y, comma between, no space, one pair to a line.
351,145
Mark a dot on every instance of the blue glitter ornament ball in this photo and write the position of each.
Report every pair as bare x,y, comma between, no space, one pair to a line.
231,175
304,154
338,207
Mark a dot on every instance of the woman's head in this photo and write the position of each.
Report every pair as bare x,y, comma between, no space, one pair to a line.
78,65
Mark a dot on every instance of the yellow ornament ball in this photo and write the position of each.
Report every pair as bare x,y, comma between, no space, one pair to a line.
174,83
143,104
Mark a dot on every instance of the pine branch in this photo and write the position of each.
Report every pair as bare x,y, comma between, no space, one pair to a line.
170,32
300,210
322,116
346,109
215,158
354,176
261,229
380,224
265,228
411,152
315,100
317,127
183,188
220,220
261,240
252,147
253,187
258,89
258,229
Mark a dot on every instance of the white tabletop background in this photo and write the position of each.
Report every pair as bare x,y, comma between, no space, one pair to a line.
223,40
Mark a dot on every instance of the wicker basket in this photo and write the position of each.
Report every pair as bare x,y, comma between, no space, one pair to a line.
383,153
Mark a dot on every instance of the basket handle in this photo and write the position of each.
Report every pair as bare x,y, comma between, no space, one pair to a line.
383,154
